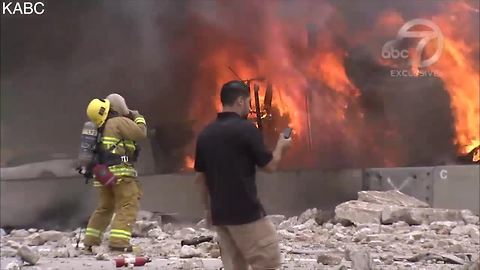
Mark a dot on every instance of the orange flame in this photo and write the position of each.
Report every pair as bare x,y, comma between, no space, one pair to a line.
461,77
189,162
292,73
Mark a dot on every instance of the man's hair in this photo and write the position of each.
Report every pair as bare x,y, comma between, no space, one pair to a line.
233,90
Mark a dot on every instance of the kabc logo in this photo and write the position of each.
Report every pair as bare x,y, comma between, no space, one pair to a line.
390,50
23,8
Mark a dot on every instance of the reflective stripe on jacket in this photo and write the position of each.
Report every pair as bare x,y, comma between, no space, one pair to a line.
119,137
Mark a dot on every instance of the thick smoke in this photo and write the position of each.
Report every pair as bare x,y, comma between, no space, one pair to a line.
53,64
153,53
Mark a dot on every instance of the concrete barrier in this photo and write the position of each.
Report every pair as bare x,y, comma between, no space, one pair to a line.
454,187
457,187
68,202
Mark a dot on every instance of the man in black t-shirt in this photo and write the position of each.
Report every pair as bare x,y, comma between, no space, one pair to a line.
228,151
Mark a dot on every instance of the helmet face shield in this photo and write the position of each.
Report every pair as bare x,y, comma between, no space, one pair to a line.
97,111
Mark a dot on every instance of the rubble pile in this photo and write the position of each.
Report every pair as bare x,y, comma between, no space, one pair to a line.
380,230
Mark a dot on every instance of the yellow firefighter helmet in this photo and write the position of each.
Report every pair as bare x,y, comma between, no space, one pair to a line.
97,111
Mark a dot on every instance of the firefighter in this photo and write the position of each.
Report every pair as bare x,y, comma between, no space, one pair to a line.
120,129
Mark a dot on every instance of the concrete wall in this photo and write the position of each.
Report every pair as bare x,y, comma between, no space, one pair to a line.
457,187
69,202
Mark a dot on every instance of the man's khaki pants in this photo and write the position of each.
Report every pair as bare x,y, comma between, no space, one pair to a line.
254,244
123,200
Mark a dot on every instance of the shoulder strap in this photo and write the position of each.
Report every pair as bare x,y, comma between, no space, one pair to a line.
115,145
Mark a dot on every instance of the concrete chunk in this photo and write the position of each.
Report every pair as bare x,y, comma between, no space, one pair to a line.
8,252
391,197
307,215
51,236
469,217
35,240
418,216
142,227
359,212
28,255
288,224
189,252
324,216
19,233
329,259
360,259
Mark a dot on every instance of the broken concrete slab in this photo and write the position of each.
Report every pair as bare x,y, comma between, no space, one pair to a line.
35,240
417,216
19,233
329,259
446,258
307,215
443,225
308,225
12,244
464,230
359,212
362,234
394,213
142,227
469,217
189,252
428,215
157,233
391,197
61,253
360,259
51,236
28,255
324,216
8,252
287,224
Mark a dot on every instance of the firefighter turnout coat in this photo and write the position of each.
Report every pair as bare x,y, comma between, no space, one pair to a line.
120,135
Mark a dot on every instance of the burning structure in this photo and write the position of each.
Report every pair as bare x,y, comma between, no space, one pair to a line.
328,80
322,62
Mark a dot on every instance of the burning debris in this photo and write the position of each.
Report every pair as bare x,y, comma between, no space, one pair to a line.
387,230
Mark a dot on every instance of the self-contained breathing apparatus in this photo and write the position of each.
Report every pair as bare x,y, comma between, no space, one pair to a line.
94,160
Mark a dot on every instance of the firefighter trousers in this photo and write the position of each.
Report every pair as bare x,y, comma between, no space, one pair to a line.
123,199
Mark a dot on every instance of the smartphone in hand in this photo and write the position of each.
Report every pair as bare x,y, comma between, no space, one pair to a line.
287,133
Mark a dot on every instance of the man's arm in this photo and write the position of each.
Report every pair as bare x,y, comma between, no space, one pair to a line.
263,158
133,129
201,182
277,154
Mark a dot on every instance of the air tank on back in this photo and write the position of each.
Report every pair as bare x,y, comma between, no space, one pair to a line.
88,142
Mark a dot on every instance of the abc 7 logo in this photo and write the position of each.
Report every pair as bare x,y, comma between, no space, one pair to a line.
390,51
